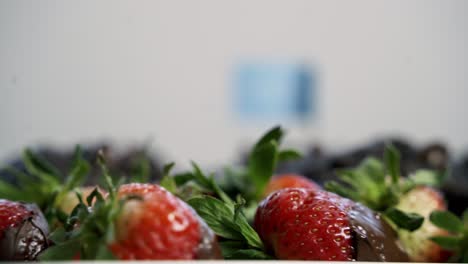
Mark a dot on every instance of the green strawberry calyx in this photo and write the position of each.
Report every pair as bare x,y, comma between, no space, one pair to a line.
457,240
229,217
250,179
225,216
43,184
90,227
379,185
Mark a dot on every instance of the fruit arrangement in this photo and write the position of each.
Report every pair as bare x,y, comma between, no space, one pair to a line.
373,211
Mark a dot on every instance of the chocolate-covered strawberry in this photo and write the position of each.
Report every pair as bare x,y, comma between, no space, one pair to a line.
298,223
23,231
405,202
307,224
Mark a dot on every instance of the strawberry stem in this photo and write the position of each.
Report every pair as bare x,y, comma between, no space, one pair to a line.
392,162
105,172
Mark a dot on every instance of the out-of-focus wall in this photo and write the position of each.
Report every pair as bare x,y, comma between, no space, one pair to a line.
82,70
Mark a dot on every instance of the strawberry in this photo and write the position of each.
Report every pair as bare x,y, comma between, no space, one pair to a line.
289,181
136,221
307,224
23,231
423,200
405,202
157,225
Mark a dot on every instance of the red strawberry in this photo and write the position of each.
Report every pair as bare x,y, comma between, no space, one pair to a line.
158,225
423,200
23,231
289,181
308,224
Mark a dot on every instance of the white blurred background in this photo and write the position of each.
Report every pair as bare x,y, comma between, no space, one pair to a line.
129,71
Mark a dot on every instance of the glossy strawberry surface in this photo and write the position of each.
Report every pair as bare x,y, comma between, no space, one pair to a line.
23,231
155,225
305,224
12,214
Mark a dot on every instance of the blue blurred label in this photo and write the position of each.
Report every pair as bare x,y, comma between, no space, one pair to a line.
273,92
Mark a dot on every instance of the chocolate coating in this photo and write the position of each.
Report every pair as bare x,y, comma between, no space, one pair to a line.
374,238
26,240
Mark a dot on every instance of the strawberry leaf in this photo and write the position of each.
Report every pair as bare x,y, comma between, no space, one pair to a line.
251,180
262,164
366,184
107,177
95,194
217,215
36,164
465,218
427,177
103,253
340,189
167,168
248,254
458,242
379,185
250,235
76,176
59,235
44,185
209,184
140,167
447,220
226,217
199,177
229,247
403,220
28,188
169,184
392,162
464,257
91,230
183,178
274,134
10,192
226,222
447,242
289,154
63,251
